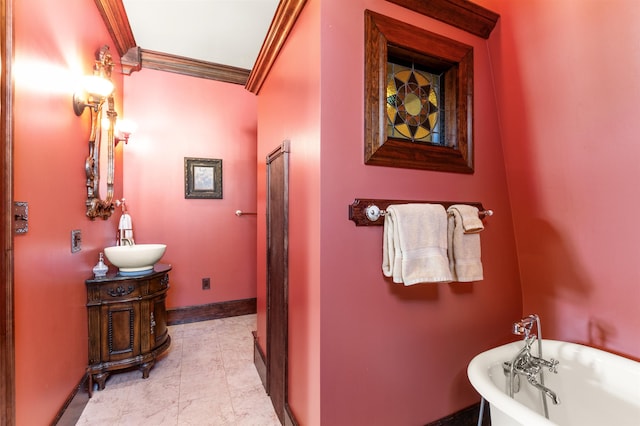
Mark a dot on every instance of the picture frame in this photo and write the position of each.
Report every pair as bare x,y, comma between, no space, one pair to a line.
202,178
389,40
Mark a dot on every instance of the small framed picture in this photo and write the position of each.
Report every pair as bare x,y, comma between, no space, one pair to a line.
202,178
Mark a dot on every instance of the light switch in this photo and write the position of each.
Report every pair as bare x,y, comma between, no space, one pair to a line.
20,217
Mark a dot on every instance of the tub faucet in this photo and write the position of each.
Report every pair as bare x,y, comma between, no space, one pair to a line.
529,365
551,394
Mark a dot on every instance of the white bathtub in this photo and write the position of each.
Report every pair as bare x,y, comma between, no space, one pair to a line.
595,388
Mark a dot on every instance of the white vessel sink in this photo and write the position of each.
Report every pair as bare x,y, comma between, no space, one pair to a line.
136,258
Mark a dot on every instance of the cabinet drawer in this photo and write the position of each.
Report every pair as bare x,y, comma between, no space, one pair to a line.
119,291
159,283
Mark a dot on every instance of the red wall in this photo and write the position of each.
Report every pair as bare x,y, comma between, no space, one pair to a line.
363,350
55,43
567,89
180,116
559,118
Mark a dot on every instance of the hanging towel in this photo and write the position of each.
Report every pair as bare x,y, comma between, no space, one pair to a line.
125,227
469,217
414,248
463,245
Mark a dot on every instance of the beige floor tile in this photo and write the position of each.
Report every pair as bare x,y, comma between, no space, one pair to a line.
203,385
161,416
207,377
206,411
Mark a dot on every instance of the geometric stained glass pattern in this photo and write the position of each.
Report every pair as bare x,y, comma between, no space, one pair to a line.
414,107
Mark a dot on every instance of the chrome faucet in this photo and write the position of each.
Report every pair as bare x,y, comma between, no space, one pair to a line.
528,365
121,240
551,394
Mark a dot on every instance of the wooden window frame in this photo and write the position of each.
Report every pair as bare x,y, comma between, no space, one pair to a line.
388,38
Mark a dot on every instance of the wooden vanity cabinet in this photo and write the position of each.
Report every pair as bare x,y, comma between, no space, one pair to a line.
127,323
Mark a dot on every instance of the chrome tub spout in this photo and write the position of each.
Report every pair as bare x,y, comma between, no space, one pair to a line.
548,392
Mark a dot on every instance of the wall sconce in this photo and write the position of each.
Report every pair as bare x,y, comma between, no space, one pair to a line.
124,129
95,88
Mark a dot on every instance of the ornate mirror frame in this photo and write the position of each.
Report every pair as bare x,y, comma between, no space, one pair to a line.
101,138
386,40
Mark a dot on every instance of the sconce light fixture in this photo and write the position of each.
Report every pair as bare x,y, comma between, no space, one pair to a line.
124,129
95,88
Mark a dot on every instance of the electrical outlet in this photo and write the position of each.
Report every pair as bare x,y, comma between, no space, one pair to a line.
206,284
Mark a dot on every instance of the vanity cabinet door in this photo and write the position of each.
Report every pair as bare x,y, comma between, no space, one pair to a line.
153,329
159,332
120,331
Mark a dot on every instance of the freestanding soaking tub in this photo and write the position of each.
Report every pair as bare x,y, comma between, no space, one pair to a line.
594,387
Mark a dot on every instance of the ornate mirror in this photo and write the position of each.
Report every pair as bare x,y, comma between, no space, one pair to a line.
99,164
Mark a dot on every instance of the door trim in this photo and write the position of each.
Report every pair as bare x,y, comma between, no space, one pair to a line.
7,339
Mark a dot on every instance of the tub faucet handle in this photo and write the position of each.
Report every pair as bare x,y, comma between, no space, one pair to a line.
524,326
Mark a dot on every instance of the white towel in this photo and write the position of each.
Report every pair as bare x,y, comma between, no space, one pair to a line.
464,246
414,248
469,216
125,227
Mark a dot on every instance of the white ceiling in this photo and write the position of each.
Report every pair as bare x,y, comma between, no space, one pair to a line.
226,32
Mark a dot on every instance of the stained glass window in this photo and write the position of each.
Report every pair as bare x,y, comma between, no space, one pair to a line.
414,105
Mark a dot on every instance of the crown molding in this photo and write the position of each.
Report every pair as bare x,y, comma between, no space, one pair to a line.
117,22
282,24
195,68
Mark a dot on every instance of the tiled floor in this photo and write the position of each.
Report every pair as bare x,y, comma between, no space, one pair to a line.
207,377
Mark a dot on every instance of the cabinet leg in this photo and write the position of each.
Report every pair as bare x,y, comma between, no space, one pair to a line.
146,367
100,379
90,385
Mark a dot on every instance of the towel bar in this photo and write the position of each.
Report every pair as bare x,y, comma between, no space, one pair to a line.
370,211
241,213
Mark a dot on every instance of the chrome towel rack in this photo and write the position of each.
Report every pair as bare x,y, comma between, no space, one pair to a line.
241,213
371,211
